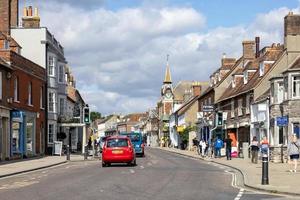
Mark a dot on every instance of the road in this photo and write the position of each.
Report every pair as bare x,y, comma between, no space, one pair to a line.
158,176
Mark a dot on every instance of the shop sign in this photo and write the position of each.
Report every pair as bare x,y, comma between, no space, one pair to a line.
209,108
282,121
16,116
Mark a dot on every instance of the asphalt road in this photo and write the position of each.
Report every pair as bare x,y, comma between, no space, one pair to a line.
158,176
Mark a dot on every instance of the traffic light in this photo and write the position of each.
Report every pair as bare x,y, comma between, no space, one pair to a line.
86,115
219,119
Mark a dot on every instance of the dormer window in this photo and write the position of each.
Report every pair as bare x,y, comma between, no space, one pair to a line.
6,44
261,69
245,77
233,82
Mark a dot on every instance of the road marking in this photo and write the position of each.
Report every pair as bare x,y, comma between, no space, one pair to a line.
132,171
240,194
142,167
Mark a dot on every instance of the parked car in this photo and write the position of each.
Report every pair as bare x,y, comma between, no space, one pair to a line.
137,141
118,149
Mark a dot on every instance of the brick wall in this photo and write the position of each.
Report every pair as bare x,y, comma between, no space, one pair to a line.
4,16
14,13
291,24
249,49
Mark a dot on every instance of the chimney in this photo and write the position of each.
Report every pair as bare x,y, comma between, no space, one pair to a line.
4,16
257,40
14,13
30,21
196,88
248,50
291,31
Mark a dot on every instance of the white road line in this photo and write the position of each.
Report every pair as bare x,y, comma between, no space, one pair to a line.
132,171
142,167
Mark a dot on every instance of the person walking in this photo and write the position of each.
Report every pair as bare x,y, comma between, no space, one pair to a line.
254,150
218,146
264,145
293,152
228,143
203,148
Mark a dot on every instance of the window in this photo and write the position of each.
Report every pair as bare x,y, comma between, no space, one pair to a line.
51,133
30,94
281,140
245,77
296,129
209,101
61,74
232,108
248,104
233,82
0,85
51,102
272,93
6,44
296,86
61,106
240,106
16,89
42,97
280,92
261,69
51,66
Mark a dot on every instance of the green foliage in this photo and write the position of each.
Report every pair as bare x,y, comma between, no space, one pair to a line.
95,115
185,134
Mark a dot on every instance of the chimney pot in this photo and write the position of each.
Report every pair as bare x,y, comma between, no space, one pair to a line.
30,11
290,13
25,12
36,12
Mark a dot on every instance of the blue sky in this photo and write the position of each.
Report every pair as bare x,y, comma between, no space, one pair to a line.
117,49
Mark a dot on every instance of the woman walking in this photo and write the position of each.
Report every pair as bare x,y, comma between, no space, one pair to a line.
293,152
254,150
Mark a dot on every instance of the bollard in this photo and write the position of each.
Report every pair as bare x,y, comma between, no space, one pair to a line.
86,152
68,152
265,170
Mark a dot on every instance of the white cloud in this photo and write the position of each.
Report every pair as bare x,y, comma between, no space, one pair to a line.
118,57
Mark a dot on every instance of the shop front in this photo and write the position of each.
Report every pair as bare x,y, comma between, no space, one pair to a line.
4,134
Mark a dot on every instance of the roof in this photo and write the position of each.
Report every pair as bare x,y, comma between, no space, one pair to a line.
255,79
187,105
4,64
296,65
168,78
264,96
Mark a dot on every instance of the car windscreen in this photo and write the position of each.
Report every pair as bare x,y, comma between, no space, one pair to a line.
117,142
135,137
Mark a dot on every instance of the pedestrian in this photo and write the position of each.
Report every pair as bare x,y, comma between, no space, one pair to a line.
293,152
264,145
218,146
228,143
200,147
203,147
254,150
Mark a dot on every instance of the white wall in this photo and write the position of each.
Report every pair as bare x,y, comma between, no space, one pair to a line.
31,42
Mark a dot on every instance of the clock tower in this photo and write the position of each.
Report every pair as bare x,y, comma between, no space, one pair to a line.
167,96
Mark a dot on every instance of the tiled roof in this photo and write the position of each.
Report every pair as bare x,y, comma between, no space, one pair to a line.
254,80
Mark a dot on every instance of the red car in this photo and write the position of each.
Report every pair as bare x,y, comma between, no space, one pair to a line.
118,149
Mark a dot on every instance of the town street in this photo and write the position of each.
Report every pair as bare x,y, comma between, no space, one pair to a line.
159,175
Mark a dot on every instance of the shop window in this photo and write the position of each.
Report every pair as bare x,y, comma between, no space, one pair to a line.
296,86
29,134
16,137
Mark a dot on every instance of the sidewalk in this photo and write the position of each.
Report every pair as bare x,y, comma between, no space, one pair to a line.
280,179
22,166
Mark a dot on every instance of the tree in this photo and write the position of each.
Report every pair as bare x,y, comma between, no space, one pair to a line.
95,115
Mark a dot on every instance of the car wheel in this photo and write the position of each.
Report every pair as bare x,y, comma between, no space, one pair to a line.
103,164
134,162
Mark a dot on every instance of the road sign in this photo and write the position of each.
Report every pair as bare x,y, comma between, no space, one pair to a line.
209,108
282,121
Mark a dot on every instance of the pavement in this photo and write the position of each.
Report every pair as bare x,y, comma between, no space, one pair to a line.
281,181
10,168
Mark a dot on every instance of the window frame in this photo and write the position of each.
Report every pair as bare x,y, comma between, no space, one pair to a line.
30,99
51,65
53,110
53,131
16,90
42,101
61,74
232,112
295,96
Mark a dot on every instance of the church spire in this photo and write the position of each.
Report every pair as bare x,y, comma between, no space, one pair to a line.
168,73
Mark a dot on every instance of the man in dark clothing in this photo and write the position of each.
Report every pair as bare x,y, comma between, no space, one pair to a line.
228,142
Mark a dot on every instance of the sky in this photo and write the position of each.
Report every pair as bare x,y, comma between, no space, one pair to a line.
117,48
